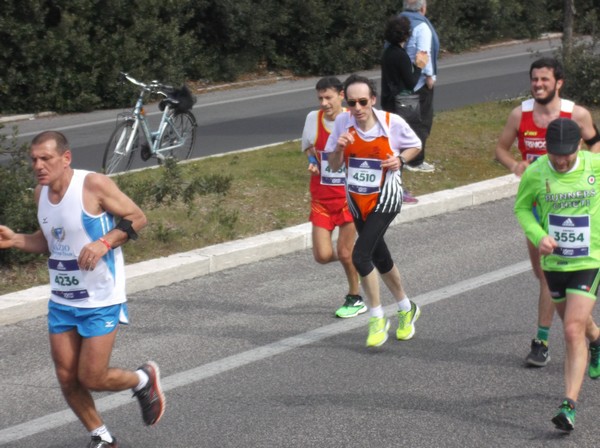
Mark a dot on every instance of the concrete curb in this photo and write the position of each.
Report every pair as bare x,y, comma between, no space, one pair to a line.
145,275
22,117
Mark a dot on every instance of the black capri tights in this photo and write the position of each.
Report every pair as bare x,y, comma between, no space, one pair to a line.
370,250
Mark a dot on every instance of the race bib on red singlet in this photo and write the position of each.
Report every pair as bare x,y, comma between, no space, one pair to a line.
330,177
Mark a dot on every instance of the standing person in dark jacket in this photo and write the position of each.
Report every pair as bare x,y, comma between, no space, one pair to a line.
400,76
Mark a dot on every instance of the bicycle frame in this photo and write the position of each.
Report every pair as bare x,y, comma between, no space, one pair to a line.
153,138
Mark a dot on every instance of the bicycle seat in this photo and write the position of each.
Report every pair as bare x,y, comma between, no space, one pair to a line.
170,101
180,99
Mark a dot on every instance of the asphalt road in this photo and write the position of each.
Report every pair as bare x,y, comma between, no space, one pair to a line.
255,116
253,357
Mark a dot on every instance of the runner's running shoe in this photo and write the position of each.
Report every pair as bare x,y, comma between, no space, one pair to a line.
408,198
378,331
565,419
97,442
539,355
594,368
151,398
406,322
353,306
423,167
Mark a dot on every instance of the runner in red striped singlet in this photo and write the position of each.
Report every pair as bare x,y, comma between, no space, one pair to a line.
329,208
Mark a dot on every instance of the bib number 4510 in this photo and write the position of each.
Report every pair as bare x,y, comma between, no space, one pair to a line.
364,177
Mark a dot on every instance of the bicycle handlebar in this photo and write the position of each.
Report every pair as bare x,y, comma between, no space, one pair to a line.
153,87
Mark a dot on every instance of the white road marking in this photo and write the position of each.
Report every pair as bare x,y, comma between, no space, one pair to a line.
57,419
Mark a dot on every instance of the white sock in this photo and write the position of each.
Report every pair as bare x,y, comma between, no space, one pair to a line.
377,311
143,376
103,433
404,304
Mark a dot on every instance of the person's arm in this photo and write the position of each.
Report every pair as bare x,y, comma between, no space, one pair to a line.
410,73
336,157
313,162
34,243
505,142
101,194
424,42
337,142
523,210
589,131
404,142
309,134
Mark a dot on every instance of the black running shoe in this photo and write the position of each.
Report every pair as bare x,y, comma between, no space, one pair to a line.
97,442
539,355
151,398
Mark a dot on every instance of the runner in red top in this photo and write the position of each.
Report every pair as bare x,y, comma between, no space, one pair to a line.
527,124
329,208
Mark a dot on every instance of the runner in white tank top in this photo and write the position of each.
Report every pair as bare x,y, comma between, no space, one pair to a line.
68,227
77,213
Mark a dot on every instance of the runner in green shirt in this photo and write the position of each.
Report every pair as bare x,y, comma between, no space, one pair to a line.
562,186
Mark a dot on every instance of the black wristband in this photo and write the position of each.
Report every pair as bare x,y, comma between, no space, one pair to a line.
595,139
125,225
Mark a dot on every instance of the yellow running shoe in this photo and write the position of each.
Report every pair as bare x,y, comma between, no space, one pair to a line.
378,331
406,322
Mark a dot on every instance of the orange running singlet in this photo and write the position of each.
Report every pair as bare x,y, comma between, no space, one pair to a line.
366,181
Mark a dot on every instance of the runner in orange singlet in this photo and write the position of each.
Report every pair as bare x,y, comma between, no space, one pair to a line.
373,145
527,125
329,208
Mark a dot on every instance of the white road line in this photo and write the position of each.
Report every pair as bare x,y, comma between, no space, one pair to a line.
54,420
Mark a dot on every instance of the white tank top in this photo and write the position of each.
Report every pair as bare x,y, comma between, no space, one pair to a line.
67,228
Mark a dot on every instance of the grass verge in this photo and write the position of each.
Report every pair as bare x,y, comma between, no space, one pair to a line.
249,193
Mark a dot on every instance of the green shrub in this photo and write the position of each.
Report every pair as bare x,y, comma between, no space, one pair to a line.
582,62
65,55
17,206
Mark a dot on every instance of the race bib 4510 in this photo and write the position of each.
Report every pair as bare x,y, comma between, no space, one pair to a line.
364,175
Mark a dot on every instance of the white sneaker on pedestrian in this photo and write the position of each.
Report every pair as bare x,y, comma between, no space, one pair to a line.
424,167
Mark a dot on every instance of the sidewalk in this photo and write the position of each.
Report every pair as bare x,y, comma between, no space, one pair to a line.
145,275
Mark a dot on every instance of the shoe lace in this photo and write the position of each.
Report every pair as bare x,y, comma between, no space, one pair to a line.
404,317
143,395
350,300
566,406
374,325
538,345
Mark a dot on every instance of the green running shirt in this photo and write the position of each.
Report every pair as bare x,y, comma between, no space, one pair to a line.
568,205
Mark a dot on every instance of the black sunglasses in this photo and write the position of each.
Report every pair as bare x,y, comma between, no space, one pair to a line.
362,101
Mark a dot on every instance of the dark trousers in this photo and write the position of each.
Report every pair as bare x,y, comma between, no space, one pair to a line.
423,128
370,250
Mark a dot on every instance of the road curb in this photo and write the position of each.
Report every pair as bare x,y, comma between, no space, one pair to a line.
32,302
23,117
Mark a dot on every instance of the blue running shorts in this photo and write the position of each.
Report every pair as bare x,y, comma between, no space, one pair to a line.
89,322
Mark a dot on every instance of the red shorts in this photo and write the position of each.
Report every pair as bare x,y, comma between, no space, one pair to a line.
330,214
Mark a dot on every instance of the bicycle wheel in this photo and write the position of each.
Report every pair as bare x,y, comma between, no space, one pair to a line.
116,159
179,136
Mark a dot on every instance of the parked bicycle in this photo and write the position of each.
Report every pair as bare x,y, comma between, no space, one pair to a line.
174,137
